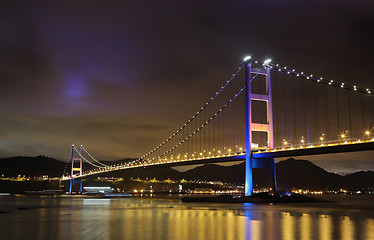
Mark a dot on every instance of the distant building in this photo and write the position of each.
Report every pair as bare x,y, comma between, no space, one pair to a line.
98,189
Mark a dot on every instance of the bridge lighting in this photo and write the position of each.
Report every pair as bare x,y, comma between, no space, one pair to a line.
267,61
247,58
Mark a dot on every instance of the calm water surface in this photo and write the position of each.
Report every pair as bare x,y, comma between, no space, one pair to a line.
144,218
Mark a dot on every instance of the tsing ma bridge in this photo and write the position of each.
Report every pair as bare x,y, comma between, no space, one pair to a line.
261,112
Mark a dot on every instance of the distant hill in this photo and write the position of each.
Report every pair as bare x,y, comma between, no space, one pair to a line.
214,172
38,166
303,173
291,173
359,180
31,166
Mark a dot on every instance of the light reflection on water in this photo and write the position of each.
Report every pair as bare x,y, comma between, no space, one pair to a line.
77,218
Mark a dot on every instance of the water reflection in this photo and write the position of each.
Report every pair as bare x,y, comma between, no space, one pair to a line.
157,219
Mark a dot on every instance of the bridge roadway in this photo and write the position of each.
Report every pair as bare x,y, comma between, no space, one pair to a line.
305,151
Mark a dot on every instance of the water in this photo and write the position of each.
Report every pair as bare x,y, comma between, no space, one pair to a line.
24,217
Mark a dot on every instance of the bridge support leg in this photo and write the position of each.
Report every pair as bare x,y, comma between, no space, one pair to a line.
72,182
273,177
76,170
248,176
71,185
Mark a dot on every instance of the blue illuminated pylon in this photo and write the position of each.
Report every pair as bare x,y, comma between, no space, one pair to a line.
250,127
76,168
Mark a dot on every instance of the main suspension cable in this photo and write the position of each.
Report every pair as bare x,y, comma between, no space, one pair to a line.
195,115
94,158
87,160
201,127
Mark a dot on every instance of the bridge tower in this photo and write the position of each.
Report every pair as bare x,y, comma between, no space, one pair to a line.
250,97
76,168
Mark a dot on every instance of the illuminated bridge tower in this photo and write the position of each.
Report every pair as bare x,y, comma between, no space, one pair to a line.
76,168
250,161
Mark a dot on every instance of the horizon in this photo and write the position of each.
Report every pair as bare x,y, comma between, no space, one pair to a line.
225,164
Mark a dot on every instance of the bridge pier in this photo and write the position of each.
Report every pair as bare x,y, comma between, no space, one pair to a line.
272,177
76,181
76,169
251,126
269,164
248,176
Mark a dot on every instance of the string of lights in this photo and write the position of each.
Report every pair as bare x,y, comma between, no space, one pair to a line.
321,80
144,161
201,127
67,163
195,115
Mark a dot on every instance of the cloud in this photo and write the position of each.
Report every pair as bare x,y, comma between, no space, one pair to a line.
106,137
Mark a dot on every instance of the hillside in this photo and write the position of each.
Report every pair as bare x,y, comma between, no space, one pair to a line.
31,166
291,173
305,174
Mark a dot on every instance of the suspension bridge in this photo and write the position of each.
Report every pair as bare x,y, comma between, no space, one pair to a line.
261,112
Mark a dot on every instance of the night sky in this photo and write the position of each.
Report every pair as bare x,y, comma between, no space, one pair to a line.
120,77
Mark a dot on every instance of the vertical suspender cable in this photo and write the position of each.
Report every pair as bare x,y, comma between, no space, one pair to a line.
349,112
315,110
306,100
304,110
284,108
326,111
275,123
209,131
337,108
294,106
291,117
363,111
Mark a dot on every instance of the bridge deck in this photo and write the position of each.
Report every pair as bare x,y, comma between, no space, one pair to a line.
351,147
